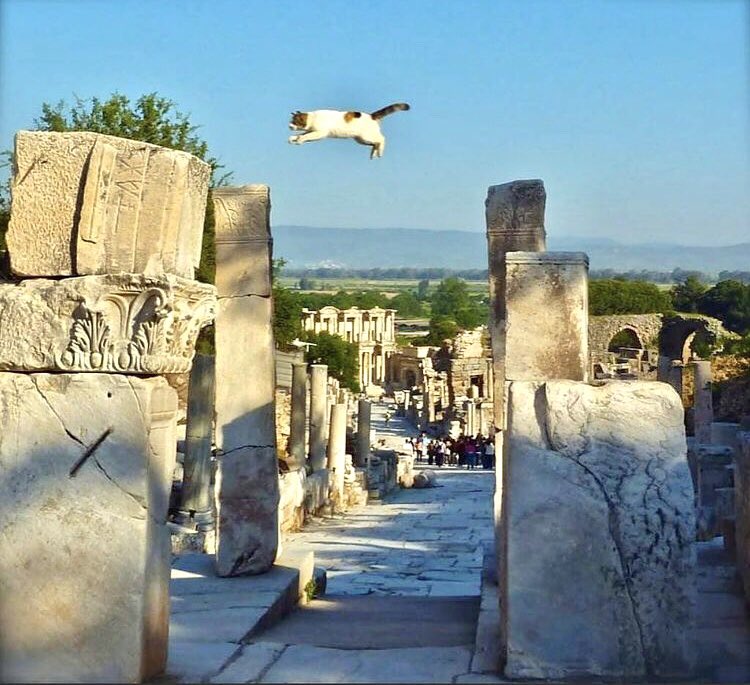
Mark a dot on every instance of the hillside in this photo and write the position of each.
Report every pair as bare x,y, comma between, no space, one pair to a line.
304,246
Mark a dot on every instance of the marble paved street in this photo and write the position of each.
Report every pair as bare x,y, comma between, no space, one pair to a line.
417,543
403,590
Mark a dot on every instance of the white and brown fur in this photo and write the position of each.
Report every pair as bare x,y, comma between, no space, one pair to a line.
330,123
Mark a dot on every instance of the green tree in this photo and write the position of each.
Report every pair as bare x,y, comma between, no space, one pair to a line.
342,357
685,295
151,119
422,289
441,328
612,296
407,305
729,301
451,299
287,308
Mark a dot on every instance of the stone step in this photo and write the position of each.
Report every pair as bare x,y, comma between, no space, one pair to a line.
212,615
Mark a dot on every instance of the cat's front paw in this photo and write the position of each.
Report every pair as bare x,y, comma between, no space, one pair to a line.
294,140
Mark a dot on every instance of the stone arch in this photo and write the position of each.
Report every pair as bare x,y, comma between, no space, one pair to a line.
628,335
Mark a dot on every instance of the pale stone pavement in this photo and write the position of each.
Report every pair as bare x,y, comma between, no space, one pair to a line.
402,599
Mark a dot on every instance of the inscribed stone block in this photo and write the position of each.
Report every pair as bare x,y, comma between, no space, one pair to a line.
243,240
86,203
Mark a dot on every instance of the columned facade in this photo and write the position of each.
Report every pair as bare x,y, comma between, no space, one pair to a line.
372,330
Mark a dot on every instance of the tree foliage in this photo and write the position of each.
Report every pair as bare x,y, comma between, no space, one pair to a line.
627,297
452,300
685,295
407,305
342,357
151,119
729,301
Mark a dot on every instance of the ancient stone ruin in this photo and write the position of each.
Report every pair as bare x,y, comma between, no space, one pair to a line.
105,234
594,506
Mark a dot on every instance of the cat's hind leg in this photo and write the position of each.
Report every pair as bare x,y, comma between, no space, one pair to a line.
377,149
306,137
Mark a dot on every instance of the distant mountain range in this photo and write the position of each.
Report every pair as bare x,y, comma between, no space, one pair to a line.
363,248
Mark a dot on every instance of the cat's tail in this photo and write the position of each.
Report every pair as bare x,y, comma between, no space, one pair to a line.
398,107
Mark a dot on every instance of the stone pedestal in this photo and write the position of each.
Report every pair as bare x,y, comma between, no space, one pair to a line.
196,506
599,579
364,410
703,410
546,310
247,487
318,415
87,463
298,423
337,450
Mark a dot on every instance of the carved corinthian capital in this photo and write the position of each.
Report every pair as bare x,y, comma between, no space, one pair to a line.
125,323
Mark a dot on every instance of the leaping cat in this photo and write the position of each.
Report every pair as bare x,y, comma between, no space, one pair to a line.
330,123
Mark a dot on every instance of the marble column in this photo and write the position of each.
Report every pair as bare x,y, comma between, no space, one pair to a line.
469,428
703,410
675,375
247,480
337,450
318,412
298,423
195,496
514,214
363,432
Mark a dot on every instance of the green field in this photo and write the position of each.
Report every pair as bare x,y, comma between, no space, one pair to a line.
387,287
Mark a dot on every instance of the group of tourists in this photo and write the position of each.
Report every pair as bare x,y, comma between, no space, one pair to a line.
465,450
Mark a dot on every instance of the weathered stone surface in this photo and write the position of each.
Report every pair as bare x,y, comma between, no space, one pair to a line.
298,419
86,203
247,484
599,508
364,422
318,415
247,513
124,323
703,411
514,215
515,212
337,450
84,554
425,479
742,508
244,373
243,239
546,326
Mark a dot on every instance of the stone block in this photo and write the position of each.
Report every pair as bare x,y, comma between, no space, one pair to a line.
247,511
87,461
515,212
244,373
124,323
546,326
86,203
598,518
243,239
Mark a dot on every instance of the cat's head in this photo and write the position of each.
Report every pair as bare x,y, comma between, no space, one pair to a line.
298,121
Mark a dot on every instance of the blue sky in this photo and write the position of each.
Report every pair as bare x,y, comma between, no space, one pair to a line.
635,113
